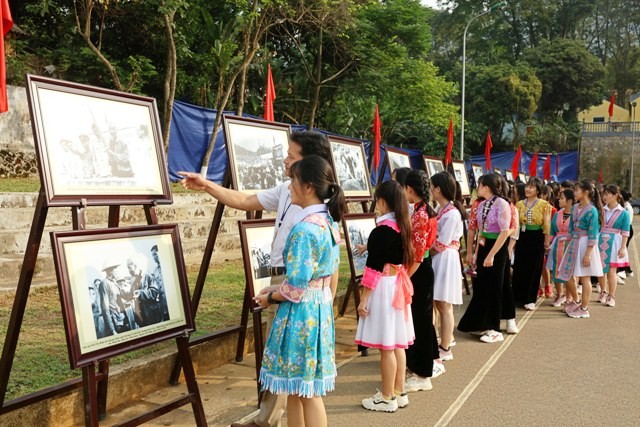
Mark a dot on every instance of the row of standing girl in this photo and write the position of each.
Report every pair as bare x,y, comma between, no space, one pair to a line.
412,264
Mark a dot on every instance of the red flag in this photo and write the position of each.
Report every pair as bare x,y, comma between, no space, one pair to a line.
515,166
487,151
533,166
377,124
611,104
6,22
600,177
557,166
447,159
546,170
270,96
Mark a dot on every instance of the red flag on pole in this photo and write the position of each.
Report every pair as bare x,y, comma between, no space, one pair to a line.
600,177
546,170
487,151
515,166
533,166
447,159
270,96
377,124
557,166
612,100
6,22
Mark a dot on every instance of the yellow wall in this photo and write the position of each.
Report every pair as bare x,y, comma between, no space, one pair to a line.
619,114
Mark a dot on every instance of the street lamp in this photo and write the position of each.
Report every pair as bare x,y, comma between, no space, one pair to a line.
464,66
633,144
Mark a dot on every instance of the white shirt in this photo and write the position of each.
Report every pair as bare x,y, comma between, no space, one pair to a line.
279,199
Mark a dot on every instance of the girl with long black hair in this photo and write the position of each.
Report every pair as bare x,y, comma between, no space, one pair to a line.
385,319
484,312
423,360
445,256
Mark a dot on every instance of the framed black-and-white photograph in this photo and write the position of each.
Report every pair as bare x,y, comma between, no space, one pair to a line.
358,227
257,150
508,175
523,177
350,166
96,146
433,165
397,158
121,289
478,171
497,170
460,173
256,238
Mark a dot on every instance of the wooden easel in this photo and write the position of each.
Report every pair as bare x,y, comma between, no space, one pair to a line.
95,384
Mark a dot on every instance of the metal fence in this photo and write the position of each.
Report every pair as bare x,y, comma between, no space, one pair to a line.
610,127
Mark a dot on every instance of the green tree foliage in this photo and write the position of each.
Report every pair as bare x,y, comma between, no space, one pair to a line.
502,95
392,46
572,78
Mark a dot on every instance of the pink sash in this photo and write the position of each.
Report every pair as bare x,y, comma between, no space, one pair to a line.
404,291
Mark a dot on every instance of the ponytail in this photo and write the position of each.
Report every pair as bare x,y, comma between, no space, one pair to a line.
336,203
594,196
393,195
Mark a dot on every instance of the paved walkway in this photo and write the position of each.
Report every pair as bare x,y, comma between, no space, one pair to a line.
557,371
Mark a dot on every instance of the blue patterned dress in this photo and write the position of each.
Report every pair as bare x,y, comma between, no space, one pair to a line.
299,357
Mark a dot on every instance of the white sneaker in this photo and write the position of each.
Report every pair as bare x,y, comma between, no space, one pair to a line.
402,399
622,274
492,337
438,369
598,289
417,383
378,403
512,328
530,307
445,355
580,289
620,280
559,301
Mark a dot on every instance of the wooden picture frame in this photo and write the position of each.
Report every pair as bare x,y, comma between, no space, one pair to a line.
256,239
256,150
120,289
397,158
523,177
96,146
508,174
350,166
460,174
497,170
433,165
357,228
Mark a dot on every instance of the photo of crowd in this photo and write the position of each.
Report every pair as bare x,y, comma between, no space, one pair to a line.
258,155
350,167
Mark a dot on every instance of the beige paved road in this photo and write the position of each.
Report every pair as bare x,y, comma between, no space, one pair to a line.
557,372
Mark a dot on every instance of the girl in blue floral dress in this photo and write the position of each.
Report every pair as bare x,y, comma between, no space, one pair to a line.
299,358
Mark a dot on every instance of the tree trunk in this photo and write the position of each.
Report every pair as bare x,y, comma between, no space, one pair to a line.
317,80
169,79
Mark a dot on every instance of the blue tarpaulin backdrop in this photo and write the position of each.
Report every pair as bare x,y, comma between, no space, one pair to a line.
191,128
568,163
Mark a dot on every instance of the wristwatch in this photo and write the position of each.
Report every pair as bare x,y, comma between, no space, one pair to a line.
270,299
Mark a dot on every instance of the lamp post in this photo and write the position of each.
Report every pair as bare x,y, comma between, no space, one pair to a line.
464,67
633,144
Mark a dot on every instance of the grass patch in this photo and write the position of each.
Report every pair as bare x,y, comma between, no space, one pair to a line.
32,185
41,358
